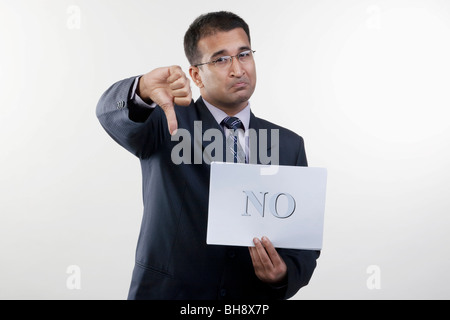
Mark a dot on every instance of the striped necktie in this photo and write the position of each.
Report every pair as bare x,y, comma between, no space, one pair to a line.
233,145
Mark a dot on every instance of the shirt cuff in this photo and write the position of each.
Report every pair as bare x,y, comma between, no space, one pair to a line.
138,100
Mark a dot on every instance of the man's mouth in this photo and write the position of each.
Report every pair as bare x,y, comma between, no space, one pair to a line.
241,84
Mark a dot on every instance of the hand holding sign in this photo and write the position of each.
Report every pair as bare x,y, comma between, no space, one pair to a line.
268,264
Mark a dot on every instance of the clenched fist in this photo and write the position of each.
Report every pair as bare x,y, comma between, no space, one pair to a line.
166,86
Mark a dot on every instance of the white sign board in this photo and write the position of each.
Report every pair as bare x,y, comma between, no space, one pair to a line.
284,203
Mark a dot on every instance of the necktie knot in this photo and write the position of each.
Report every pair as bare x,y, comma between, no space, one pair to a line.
233,145
233,123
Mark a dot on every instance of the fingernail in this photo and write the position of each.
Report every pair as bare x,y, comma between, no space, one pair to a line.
174,132
255,240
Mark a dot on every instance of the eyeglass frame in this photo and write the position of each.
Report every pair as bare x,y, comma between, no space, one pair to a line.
232,57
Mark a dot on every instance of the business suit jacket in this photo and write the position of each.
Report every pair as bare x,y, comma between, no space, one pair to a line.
172,258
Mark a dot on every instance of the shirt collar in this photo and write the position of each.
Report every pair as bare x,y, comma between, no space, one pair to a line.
219,115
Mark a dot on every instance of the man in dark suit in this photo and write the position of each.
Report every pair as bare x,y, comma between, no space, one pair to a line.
145,115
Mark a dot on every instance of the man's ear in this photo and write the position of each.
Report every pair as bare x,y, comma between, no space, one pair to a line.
195,76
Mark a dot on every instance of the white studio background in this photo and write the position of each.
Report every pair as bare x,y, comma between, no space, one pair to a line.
366,83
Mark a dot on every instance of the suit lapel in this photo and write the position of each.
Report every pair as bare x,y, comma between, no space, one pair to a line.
263,135
207,121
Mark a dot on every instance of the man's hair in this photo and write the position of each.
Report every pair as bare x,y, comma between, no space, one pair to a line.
207,25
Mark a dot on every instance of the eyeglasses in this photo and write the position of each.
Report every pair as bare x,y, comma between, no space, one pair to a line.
222,62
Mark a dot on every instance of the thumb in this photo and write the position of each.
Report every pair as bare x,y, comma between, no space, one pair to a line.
171,118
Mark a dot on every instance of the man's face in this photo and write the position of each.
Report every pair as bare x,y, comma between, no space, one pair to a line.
228,88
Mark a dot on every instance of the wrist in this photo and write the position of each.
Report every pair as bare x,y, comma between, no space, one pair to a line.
141,89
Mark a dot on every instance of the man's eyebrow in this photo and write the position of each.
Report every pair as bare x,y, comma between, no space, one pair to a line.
218,53
244,48
221,52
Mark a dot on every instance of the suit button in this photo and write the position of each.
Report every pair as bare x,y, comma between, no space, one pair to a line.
223,292
120,104
231,254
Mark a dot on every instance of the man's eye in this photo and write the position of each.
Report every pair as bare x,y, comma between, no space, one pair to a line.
221,60
244,54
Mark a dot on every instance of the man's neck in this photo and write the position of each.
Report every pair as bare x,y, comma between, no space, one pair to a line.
230,110
219,114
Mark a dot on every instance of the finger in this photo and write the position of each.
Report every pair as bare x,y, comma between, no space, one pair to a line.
271,251
183,92
183,97
257,265
180,83
262,254
175,73
183,101
171,118
254,256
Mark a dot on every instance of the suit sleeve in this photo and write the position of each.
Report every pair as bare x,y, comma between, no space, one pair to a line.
300,263
138,129
302,161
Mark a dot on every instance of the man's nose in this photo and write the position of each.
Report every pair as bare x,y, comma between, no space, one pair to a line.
236,69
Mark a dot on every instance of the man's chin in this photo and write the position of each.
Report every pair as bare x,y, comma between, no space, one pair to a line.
241,95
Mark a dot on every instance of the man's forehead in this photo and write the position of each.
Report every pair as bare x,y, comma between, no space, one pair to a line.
225,42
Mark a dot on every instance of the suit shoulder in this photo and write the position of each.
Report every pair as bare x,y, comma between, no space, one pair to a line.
284,132
185,109
189,113
291,145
